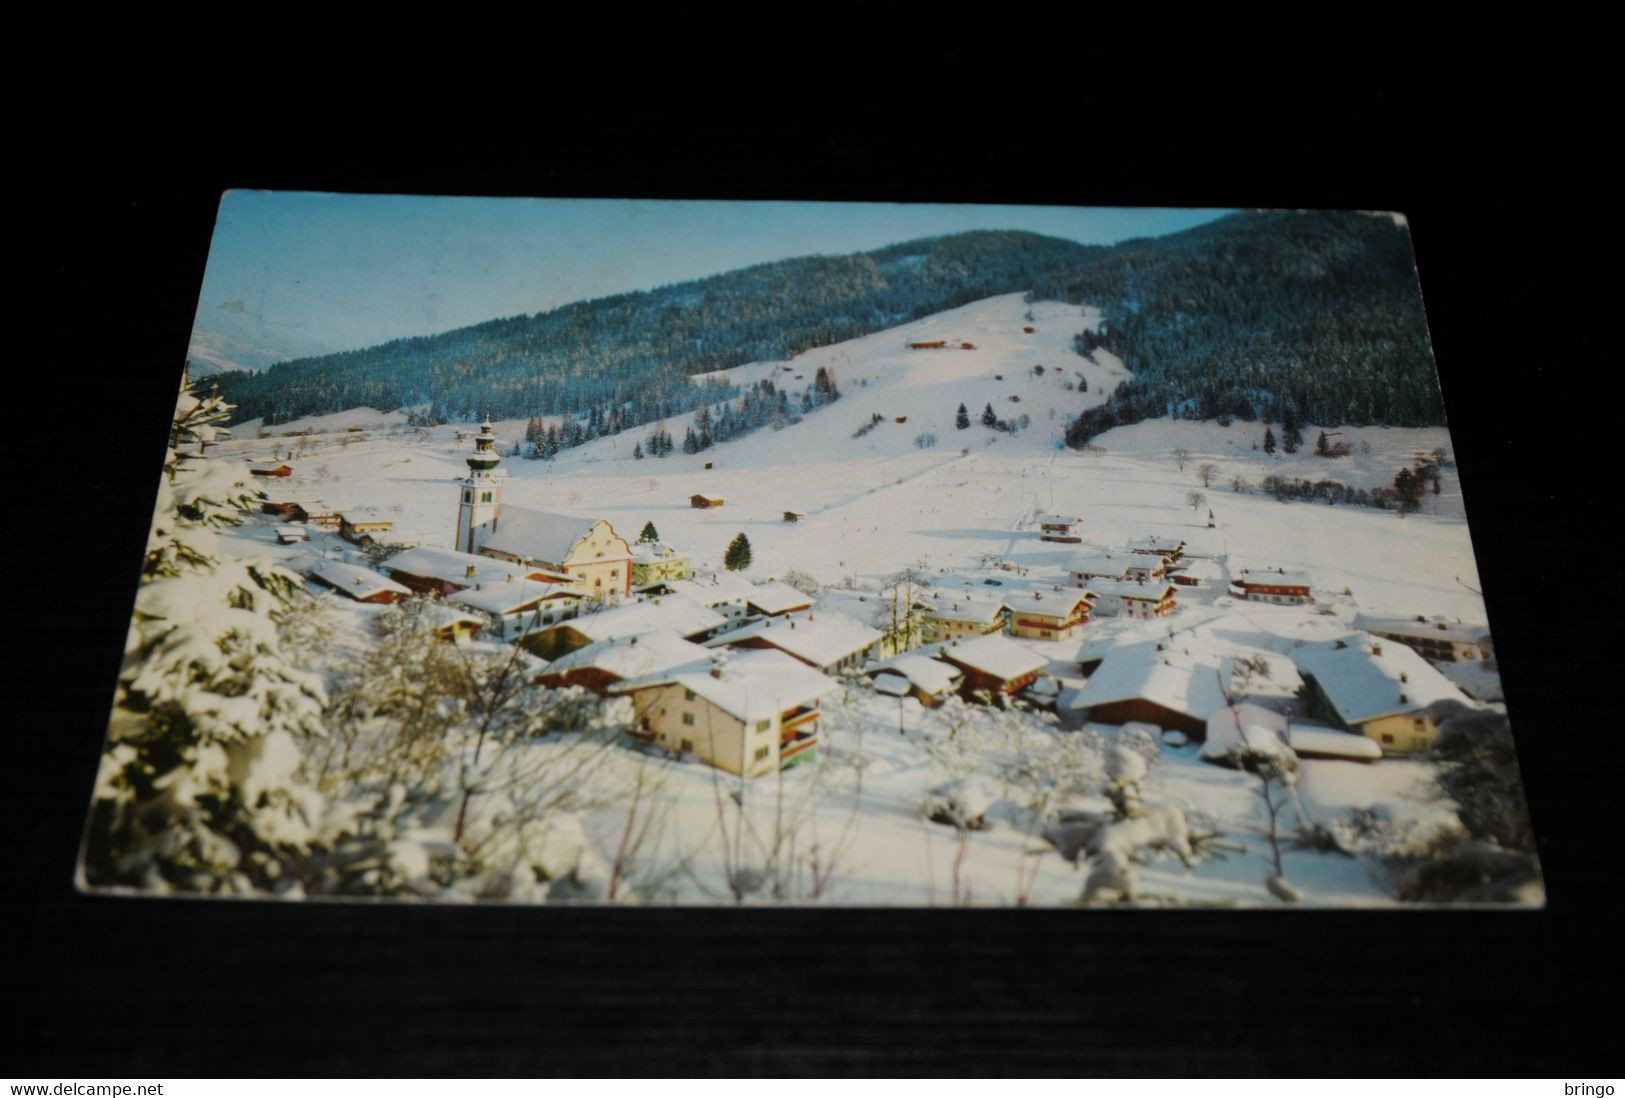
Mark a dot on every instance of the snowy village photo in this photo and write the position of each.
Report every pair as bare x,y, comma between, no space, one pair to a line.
723,553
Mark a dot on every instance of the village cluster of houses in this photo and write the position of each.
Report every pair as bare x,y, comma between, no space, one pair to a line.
732,671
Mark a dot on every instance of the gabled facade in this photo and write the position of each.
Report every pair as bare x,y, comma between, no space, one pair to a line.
753,714
1048,615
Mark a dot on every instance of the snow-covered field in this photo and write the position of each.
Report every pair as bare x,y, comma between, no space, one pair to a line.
961,509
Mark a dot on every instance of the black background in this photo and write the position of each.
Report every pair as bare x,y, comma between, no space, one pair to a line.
1487,138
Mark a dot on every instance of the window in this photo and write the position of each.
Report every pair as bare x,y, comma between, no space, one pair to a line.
688,719
1386,738
468,496
485,497
761,753
688,745
688,695
763,726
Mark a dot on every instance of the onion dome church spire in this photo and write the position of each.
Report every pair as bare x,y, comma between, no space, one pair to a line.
481,498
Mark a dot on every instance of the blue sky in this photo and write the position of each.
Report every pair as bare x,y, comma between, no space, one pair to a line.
297,273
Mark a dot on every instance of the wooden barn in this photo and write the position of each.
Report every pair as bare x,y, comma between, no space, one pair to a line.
995,665
703,502
794,516
927,344
271,470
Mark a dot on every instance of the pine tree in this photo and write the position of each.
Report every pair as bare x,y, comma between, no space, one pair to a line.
650,534
962,420
637,451
1321,445
1269,441
199,788
988,418
737,559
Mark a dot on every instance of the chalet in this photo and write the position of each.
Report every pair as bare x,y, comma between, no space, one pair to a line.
902,419
1089,565
322,514
947,617
774,599
723,592
590,552
517,608
1195,573
1438,642
1376,688
604,663
1048,615
702,502
1172,548
359,525
451,625
994,667
831,643
674,613
754,713
355,582
431,571
1140,601
794,516
1028,328
655,561
271,470
1180,683
1278,588
1063,528
925,679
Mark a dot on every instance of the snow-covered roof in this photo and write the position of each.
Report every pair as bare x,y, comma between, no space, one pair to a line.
682,616
962,608
889,682
353,580
1459,632
506,598
932,676
1096,563
714,590
1200,568
1187,675
774,597
1154,544
1312,740
997,655
821,639
442,615
1245,727
1363,685
652,552
1058,520
353,515
537,535
1058,604
1153,590
656,653
749,685
452,567
1276,579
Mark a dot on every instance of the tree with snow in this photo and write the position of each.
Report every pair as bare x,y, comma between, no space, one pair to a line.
737,558
1205,472
201,786
649,535
637,451
962,418
988,418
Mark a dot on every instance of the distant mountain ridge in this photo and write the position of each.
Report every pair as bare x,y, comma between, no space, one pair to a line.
1312,316
638,350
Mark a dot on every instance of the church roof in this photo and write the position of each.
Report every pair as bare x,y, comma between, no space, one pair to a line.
545,536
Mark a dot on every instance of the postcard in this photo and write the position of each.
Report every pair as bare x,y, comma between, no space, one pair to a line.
729,553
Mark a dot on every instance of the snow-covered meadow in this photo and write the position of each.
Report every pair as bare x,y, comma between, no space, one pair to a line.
919,492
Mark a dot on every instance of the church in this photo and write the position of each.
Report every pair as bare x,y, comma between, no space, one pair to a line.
589,551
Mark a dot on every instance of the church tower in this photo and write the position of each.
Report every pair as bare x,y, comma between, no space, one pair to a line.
482,493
